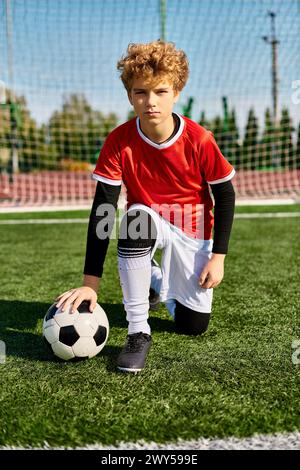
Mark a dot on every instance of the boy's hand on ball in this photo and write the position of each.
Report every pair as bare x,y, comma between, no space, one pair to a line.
213,272
75,297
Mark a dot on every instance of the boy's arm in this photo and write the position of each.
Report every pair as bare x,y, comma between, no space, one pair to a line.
102,213
224,196
100,226
91,281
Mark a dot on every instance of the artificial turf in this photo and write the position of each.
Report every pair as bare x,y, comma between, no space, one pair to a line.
236,380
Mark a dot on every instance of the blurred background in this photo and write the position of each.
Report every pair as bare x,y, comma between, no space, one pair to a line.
60,92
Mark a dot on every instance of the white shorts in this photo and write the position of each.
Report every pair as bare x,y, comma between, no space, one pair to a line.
183,259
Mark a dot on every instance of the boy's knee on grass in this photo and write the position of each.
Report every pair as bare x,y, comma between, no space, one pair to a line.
190,322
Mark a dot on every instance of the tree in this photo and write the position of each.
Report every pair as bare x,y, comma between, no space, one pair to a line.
250,143
217,129
5,135
77,131
286,140
187,109
268,147
19,131
203,121
232,151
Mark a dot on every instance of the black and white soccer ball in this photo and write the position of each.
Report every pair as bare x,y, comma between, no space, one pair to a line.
82,334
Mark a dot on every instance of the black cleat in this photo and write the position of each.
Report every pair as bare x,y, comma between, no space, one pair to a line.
133,356
154,300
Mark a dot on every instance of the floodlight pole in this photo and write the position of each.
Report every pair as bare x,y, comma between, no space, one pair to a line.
163,15
273,41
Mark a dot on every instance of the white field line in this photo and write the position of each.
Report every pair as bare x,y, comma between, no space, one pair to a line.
266,215
122,203
43,221
261,215
24,209
278,441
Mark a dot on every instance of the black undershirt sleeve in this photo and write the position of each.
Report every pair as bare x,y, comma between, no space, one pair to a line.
96,247
224,197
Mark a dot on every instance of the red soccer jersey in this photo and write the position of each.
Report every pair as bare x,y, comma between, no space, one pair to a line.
175,174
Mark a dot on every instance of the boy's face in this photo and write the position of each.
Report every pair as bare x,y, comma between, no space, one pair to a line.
152,103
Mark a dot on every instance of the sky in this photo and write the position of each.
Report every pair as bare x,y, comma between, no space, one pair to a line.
51,48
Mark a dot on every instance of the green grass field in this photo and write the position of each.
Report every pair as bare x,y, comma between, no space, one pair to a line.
236,380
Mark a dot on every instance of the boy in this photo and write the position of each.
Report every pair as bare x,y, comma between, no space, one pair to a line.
168,164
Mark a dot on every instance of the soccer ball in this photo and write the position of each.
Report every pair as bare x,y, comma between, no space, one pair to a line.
82,334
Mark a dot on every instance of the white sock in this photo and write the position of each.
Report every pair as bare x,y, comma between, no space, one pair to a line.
135,277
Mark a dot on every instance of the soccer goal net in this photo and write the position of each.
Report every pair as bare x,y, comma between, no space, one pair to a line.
60,92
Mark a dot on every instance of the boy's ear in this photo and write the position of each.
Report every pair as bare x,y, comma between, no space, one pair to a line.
129,97
176,96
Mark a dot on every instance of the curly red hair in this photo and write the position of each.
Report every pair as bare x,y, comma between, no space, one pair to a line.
154,62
